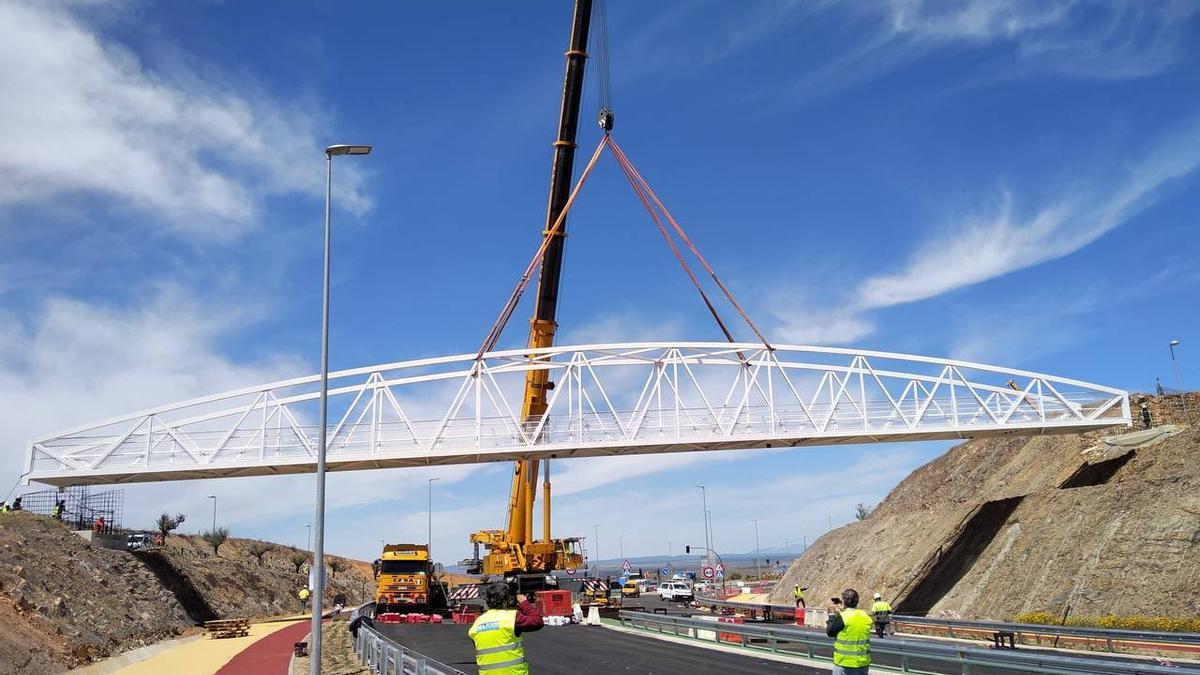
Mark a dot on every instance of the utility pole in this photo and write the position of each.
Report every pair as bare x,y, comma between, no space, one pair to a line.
704,505
597,548
1178,382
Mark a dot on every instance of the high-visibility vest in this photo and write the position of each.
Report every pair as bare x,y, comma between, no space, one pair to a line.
799,594
498,648
303,593
881,607
852,646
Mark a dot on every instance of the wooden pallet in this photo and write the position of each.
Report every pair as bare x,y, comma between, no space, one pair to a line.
227,628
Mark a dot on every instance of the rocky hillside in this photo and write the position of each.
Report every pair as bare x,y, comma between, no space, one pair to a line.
1103,523
64,602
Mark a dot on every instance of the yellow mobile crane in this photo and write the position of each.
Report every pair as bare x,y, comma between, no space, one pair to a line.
513,551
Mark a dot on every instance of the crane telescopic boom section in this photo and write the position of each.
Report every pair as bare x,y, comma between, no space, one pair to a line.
514,549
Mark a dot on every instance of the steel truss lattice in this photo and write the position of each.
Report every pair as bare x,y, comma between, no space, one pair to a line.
609,399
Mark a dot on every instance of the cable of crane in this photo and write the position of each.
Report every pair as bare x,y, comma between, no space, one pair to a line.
603,72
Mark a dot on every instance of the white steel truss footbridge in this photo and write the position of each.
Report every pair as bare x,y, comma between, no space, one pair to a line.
608,399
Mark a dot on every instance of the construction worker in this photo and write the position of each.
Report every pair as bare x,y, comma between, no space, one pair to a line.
881,612
303,595
1145,416
799,593
57,511
499,647
3,507
850,629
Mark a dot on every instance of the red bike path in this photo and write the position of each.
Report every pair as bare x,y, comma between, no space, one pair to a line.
269,656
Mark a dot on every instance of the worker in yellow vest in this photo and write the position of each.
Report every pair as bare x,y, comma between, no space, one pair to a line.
497,633
881,612
850,628
799,593
303,595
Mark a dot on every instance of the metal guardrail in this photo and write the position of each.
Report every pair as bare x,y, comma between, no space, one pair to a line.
386,657
1109,635
905,656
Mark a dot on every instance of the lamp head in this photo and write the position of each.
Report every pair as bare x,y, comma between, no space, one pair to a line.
348,150
1174,343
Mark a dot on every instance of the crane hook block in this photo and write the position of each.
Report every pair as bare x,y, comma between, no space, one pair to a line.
606,119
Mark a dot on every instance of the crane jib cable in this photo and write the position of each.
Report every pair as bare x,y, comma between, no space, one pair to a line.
653,206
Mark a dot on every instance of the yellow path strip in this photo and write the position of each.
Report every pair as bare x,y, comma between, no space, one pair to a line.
201,657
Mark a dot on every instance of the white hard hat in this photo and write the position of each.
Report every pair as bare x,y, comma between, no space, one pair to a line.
878,596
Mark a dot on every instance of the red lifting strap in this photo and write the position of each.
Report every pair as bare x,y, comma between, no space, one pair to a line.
646,195
501,321
624,160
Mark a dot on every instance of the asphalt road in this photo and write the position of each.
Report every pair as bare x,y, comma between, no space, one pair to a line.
583,650
575,650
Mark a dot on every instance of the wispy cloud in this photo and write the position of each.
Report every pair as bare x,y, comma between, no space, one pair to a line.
1012,233
84,116
986,247
1073,38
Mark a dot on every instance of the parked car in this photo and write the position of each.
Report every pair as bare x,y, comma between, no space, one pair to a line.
631,589
675,590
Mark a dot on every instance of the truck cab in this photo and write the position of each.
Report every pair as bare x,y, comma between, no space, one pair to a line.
403,579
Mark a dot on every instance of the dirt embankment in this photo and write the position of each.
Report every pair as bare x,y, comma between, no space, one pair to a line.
998,527
64,603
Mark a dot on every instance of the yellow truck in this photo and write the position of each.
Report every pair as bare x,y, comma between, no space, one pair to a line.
405,581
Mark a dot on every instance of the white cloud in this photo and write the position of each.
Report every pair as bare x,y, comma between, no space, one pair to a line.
83,115
75,362
1097,39
988,247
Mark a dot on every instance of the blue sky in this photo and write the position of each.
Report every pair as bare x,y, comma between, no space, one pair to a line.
1012,183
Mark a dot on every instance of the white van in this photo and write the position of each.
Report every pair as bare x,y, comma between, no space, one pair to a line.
675,590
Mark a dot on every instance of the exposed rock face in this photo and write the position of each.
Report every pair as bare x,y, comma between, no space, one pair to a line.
998,527
65,603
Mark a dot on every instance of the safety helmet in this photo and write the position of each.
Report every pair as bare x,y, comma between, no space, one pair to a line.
878,596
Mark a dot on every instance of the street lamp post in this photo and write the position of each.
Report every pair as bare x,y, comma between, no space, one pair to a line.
429,536
319,549
757,552
308,547
704,504
1178,382
214,526
596,549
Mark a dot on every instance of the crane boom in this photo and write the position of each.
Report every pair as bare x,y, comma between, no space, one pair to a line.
514,549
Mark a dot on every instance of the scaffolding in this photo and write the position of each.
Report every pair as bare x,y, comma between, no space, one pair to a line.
83,508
